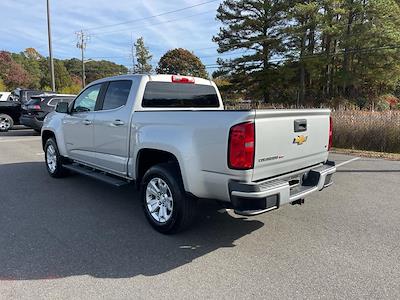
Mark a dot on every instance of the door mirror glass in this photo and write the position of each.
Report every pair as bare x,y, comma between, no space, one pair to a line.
62,107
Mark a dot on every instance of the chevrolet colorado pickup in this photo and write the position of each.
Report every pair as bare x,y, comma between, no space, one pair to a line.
171,136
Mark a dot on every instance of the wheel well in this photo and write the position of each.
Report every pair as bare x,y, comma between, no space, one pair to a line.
46,135
147,158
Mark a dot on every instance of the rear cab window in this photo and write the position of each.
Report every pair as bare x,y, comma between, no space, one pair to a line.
160,94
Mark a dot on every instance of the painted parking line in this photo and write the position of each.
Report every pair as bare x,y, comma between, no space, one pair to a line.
347,162
20,140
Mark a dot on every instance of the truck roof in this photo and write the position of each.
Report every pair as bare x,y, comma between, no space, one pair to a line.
53,94
158,77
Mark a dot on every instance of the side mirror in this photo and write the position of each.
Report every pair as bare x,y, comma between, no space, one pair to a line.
62,107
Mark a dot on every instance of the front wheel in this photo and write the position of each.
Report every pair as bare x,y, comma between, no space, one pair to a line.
165,204
54,159
6,122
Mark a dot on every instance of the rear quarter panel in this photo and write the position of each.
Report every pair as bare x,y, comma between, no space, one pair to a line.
199,141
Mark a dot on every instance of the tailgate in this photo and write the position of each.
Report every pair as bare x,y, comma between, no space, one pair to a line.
289,140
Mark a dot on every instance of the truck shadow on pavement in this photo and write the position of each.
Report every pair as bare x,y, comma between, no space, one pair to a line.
54,228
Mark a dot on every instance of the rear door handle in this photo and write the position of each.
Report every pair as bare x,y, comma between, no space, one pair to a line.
118,123
87,122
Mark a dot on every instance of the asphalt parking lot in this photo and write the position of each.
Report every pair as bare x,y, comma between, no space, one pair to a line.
76,238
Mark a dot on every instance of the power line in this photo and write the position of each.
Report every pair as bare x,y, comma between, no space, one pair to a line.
153,16
354,50
137,20
153,24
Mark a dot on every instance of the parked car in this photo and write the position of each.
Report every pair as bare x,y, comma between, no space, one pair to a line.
171,136
10,110
36,109
5,96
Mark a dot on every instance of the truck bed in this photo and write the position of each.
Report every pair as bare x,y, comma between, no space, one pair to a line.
200,138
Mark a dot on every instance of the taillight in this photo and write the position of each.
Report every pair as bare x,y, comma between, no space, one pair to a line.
330,133
182,79
241,146
35,107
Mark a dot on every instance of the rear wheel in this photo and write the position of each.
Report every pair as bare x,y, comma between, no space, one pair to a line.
6,122
165,204
54,159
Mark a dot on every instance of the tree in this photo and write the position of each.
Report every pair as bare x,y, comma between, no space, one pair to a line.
94,69
301,41
62,76
143,58
2,85
311,50
12,74
30,60
183,62
32,53
254,26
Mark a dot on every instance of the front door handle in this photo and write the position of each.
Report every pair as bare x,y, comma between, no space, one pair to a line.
118,123
87,122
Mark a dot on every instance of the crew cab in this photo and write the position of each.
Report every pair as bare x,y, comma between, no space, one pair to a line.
171,136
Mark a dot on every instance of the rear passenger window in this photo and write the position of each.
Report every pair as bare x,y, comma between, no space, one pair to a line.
117,94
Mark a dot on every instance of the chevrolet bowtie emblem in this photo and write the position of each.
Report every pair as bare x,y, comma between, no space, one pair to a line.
299,140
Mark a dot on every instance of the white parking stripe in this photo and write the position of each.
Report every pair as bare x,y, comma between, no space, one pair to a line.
19,140
347,162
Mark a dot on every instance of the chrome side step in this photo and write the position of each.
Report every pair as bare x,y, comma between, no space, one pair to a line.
99,175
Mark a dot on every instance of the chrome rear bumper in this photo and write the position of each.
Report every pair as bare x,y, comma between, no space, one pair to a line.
256,198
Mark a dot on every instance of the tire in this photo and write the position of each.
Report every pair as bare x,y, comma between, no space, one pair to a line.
54,160
178,210
6,122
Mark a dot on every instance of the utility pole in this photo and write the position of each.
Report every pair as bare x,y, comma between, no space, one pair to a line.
81,44
53,82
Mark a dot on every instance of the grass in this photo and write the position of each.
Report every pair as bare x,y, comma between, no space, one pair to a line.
356,129
369,154
366,130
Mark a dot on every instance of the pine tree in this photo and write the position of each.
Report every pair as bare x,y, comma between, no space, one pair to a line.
143,58
256,27
301,41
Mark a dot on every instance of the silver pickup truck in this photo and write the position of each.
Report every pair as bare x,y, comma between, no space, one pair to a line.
171,136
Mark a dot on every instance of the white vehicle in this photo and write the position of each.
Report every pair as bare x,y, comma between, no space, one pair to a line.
5,96
172,137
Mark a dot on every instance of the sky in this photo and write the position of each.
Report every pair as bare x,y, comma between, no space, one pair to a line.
111,26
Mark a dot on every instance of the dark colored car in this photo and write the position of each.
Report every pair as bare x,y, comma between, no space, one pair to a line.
36,109
10,112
